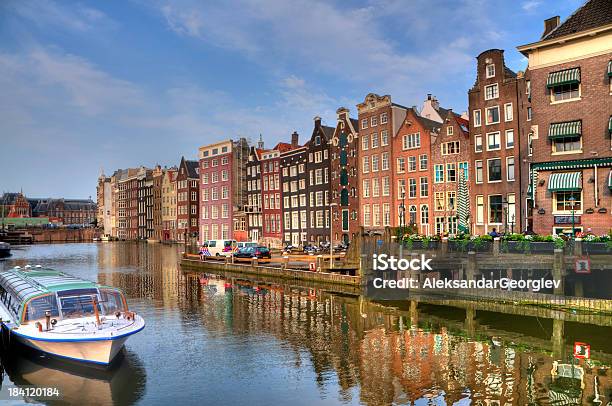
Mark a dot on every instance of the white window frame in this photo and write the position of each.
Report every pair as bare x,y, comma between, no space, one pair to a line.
488,143
495,93
511,115
477,123
478,137
476,171
489,175
490,65
510,131
513,170
487,116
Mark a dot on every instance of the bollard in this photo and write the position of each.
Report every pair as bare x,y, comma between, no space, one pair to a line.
558,271
496,244
444,245
471,268
578,247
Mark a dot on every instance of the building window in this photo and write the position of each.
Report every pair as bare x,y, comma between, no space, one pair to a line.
365,142
511,208
364,123
495,209
366,188
493,141
478,171
383,118
492,115
423,162
384,138
529,113
478,143
464,168
376,215
494,170
375,162
385,186
567,144
509,138
508,112
449,130
412,164
565,92
490,69
451,197
451,172
449,148
386,214
374,137
440,225
440,201
439,173
510,168
411,141
412,188
401,165
491,92
424,214
375,188
385,161
424,187
373,121
477,118
563,204
401,188
366,215
366,164
479,209
452,224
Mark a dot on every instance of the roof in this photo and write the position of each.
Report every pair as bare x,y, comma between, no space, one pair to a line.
192,168
592,14
283,147
427,123
355,124
328,131
10,198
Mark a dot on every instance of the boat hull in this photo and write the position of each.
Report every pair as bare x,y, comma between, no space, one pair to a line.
101,352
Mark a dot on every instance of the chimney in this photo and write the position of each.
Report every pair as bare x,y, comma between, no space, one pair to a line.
428,96
435,103
295,139
317,121
550,24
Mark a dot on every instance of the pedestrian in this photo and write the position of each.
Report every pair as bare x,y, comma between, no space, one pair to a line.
202,253
494,233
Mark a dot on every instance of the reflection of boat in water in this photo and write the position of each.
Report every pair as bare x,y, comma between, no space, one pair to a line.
123,383
5,249
64,316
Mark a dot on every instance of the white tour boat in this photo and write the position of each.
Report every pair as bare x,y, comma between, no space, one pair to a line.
64,316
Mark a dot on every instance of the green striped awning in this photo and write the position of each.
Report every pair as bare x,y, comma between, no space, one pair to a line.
566,181
610,68
563,77
567,129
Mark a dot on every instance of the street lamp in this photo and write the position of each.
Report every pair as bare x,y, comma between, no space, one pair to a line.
403,214
505,206
331,234
512,225
572,201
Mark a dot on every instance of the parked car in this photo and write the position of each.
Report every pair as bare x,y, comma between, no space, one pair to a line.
243,244
220,247
341,247
253,252
310,249
289,249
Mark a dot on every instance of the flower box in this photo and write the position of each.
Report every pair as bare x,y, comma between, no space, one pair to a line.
462,246
596,248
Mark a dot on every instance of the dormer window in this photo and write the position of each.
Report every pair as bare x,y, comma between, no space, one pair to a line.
449,130
490,71
318,140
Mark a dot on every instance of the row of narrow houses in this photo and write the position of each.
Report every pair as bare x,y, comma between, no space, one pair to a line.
533,153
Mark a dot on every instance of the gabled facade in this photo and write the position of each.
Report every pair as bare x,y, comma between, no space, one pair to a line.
318,166
411,209
344,180
450,158
379,120
570,149
294,180
187,193
272,203
169,199
495,121
145,203
254,197
158,177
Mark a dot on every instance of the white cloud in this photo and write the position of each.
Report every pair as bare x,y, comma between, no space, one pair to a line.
76,17
530,5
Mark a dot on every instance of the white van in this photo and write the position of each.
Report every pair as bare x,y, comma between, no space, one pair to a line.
243,244
216,248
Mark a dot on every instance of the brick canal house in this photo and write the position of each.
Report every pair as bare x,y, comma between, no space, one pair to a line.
450,157
253,206
168,204
223,189
126,209
495,123
15,205
570,71
187,197
294,180
379,119
344,181
104,203
271,192
158,177
145,203
412,200
318,167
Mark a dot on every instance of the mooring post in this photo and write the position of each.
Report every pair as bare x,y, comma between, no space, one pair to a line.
471,268
558,271
496,244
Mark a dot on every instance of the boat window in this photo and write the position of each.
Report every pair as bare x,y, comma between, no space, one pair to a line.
37,307
111,301
78,306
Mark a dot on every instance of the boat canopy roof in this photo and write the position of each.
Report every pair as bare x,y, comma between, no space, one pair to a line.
25,283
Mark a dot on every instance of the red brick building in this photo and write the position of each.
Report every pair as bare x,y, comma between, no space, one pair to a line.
253,206
187,197
223,189
494,126
15,205
294,180
271,192
379,119
344,181
450,157
412,198
570,155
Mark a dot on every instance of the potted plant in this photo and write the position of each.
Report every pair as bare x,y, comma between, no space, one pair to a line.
597,245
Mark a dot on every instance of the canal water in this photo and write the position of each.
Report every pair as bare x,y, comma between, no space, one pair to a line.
211,339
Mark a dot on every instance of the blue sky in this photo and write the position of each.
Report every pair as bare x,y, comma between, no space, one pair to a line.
86,86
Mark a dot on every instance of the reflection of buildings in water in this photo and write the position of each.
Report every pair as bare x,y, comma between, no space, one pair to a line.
126,380
376,350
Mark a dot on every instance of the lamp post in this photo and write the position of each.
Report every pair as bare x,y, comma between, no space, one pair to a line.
512,225
505,206
572,201
331,235
403,215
